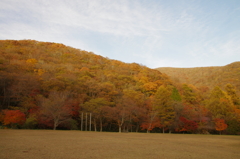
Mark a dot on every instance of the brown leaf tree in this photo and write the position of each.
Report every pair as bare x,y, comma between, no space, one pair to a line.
53,108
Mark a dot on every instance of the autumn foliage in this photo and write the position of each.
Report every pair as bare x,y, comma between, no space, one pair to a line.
12,117
220,124
52,86
188,125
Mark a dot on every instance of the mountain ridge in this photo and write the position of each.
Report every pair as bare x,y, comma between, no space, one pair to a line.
205,76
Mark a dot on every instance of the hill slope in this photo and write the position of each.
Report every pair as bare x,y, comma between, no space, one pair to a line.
49,85
28,65
206,76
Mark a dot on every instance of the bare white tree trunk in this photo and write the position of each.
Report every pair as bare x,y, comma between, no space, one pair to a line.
90,121
152,116
86,123
120,129
100,124
95,125
82,122
120,123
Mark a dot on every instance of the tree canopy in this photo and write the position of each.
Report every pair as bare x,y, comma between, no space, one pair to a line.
53,86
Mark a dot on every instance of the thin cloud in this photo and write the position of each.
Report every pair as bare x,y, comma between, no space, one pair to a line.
116,18
154,33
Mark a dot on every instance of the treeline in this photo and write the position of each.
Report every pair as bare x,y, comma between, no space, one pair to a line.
51,86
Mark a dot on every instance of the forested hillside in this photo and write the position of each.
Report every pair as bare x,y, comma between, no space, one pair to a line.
206,76
51,86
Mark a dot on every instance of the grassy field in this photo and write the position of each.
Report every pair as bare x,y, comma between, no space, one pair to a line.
49,144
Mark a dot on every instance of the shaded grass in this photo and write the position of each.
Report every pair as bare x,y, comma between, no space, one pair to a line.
76,144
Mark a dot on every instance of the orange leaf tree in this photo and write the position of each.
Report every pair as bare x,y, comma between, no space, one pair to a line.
220,125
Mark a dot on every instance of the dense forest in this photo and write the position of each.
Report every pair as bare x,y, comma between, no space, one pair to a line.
51,86
206,76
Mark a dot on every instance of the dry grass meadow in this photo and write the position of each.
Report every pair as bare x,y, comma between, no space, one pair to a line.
49,144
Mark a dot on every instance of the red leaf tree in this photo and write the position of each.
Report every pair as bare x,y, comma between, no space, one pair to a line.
13,117
188,125
149,126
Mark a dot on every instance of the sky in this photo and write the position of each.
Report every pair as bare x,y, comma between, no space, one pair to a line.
153,33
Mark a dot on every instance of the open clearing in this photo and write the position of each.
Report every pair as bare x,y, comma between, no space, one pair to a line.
29,144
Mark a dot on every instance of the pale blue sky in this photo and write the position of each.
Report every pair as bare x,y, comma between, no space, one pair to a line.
154,33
